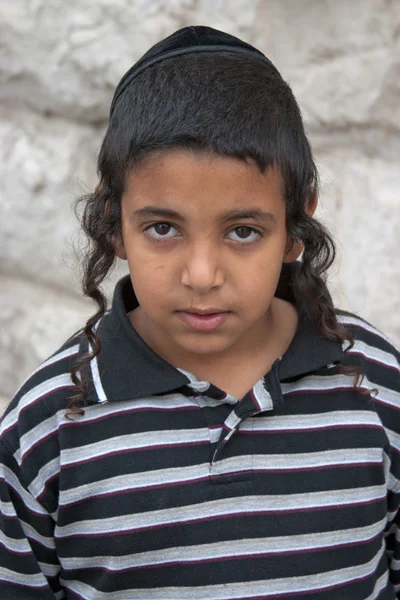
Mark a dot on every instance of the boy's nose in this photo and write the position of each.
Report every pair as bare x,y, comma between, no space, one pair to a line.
202,269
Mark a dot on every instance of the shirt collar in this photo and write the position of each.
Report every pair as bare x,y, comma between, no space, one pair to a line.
127,368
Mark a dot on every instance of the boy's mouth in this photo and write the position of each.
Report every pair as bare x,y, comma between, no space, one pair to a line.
206,320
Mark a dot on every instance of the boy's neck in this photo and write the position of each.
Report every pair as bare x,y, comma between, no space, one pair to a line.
263,345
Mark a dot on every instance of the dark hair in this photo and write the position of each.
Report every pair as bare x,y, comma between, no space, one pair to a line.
231,104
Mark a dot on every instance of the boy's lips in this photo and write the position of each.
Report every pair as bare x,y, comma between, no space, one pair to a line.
203,311
207,320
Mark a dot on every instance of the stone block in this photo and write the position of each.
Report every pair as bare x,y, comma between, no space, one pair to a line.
341,58
45,164
66,58
361,205
34,321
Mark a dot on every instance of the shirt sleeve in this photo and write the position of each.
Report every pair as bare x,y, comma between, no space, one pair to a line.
29,566
393,540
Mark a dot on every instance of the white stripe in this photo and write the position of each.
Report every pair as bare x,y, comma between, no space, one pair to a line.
94,366
57,357
15,545
289,462
135,441
52,360
353,320
229,549
44,388
274,503
317,383
48,471
36,580
7,508
232,420
373,353
380,585
95,412
262,396
135,481
206,401
394,438
300,422
266,588
30,532
36,434
49,570
395,564
96,379
27,499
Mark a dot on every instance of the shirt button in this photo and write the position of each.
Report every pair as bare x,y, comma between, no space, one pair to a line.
199,386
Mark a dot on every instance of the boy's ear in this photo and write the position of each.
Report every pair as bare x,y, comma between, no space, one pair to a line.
118,244
293,250
119,248
295,247
312,203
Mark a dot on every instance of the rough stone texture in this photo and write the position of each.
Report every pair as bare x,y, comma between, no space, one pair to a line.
59,64
34,320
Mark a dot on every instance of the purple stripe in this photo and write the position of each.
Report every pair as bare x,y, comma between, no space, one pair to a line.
17,552
102,417
24,585
37,443
249,556
126,450
23,408
54,362
228,429
181,523
316,468
72,593
8,483
12,517
373,360
386,404
255,400
291,594
322,390
308,429
48,481
134,490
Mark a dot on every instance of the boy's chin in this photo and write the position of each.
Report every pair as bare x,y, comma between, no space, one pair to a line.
205,345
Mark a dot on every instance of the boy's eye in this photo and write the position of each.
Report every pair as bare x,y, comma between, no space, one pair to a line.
160,230
241,234
245,234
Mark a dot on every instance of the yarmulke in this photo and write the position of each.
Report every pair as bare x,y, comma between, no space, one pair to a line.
185,41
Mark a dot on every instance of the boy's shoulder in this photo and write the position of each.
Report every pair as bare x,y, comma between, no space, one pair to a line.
43,393
363,331
377,355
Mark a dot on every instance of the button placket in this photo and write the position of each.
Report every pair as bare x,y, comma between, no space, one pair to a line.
257,401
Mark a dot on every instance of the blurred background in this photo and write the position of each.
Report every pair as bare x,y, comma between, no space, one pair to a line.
59,65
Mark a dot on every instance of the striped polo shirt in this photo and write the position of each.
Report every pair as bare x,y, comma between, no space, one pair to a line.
170,488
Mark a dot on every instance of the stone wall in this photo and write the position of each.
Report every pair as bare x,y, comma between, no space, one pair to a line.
59,64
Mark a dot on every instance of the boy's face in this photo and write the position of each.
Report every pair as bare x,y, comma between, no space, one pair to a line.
207,233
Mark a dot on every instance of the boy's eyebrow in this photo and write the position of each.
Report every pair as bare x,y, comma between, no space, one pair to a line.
248,213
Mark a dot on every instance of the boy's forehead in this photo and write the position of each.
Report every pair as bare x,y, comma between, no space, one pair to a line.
177,176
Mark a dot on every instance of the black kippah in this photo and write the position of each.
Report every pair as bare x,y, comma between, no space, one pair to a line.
185,41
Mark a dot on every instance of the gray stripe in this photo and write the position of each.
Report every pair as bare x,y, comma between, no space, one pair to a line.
278,503
228,549
31,580
313,421
266,588
192,473
135,441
